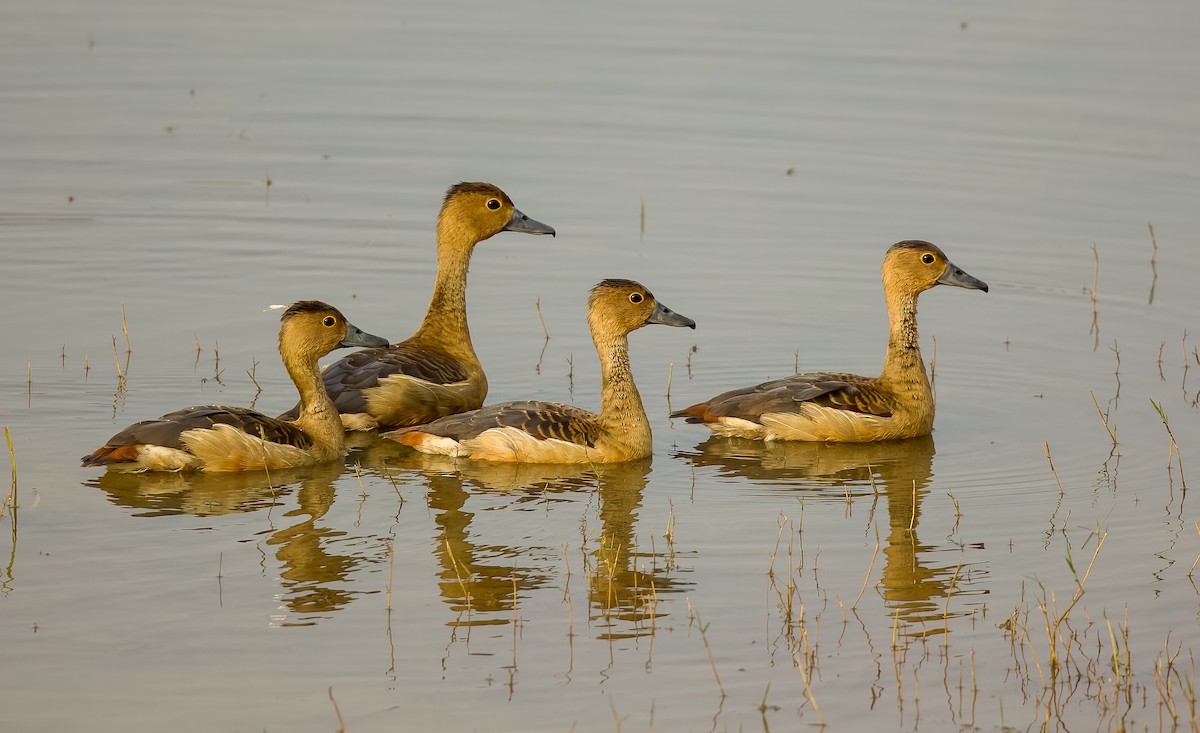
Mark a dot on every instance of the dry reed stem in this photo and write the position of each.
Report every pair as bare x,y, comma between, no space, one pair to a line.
395,487
703,627
1173,449
11,499
125,328
1186,366
341,723
1095,329
1117,372
912,520
538,305
670,376
957,512
783,519
217,370
358,474
867,577
1153,266
458,574
1103,419
642,215
1046,448
516,619
1190,571
616,718
250,373
1053,625
117,359
949,593
808,693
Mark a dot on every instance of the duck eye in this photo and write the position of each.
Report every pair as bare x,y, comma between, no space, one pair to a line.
928,258
329,321
493,204
635,298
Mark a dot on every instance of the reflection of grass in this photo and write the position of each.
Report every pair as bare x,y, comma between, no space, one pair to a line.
1063,656
11,502
1076,660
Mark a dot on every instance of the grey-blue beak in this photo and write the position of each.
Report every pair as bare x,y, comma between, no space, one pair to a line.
957,277
521,223
355,336
667,317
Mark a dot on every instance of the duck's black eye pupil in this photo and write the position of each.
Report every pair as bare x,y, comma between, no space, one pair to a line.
493,204
635,298
927,258
329,321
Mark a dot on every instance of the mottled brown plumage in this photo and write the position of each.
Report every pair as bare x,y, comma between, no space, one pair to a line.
836,407
549,432
435,372
219,438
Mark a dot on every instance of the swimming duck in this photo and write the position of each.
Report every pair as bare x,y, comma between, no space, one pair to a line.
549,432
434,372
834,407
218,438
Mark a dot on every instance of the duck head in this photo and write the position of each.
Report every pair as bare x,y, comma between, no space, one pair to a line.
915,266
474,211
311,329
623,306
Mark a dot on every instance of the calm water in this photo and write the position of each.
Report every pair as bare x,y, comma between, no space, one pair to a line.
721,585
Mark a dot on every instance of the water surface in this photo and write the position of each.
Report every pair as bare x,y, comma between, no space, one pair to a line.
195,163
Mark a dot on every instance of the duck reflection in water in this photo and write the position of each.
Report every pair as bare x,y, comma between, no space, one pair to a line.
913,584
626,582
312,576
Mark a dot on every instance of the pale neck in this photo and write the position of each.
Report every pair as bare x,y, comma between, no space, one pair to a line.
318,416
903,362
445,321
622,415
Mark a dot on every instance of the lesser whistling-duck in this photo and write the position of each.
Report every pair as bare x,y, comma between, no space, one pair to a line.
218,438
836,407
434,372
548,432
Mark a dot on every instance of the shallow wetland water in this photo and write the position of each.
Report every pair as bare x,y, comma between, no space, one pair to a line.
193,163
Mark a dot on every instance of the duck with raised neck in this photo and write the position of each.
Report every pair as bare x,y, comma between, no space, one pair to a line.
434,372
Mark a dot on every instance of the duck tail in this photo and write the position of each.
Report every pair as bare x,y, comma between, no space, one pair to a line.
697,413
109,454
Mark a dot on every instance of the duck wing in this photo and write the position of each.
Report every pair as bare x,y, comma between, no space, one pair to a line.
167,430
542,420
848,392
347,378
